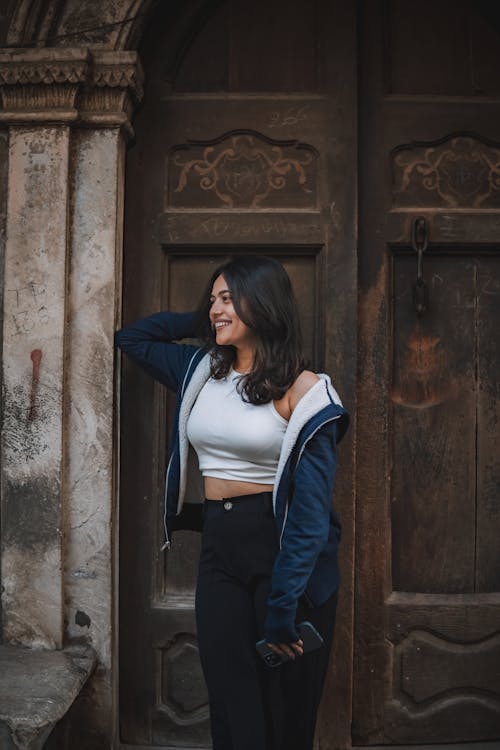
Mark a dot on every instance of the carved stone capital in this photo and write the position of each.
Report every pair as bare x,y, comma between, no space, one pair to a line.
40,85
118,70
70,85
112,91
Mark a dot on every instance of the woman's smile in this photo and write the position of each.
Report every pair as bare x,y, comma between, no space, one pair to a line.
229,329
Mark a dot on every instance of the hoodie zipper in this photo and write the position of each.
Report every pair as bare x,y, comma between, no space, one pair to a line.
332,419
167,543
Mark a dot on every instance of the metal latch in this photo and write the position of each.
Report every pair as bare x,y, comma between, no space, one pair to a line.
419,242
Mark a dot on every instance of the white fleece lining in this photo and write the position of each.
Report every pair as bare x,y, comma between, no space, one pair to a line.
310,404
198,380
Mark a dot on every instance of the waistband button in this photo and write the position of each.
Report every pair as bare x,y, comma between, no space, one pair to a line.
228,505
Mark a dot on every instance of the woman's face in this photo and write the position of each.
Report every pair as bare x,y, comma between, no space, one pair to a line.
229,329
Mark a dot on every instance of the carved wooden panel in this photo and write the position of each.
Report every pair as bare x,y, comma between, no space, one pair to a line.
466,618
182,698
444,683
429,667
242,170
456,172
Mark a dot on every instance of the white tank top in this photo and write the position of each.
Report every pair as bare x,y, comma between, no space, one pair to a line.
234,439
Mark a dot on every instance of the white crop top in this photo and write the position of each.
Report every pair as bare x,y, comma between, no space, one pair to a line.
234,439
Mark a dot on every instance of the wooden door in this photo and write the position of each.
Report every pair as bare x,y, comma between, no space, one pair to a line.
245,143
427,632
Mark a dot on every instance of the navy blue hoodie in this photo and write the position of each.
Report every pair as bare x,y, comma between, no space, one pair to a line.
307,525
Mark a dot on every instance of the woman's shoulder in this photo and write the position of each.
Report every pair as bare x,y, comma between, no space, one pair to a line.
304,382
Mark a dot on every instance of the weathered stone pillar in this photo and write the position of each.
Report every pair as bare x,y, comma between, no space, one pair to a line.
39,89
95,227
68,112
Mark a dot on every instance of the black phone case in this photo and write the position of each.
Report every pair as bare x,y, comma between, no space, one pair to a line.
310,638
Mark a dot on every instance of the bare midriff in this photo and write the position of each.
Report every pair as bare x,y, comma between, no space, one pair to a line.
218,489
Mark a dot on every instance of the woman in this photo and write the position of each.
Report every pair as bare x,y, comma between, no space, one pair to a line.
264,430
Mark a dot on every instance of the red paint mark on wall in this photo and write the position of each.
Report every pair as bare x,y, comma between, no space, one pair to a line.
36,358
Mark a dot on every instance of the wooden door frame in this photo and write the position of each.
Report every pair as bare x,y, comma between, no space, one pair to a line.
334,725
334,728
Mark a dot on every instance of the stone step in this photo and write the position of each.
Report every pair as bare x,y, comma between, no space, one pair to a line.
36,690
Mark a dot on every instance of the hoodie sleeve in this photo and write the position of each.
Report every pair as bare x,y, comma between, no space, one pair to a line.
149,343
305,533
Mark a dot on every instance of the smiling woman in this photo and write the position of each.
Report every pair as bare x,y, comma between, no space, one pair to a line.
229,329
264,431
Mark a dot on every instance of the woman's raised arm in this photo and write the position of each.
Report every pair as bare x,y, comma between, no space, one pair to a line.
149,343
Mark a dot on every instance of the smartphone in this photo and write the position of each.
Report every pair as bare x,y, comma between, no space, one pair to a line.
310,637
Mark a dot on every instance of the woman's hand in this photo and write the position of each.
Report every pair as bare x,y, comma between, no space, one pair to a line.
288,649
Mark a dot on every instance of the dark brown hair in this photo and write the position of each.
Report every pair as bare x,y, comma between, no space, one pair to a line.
264,300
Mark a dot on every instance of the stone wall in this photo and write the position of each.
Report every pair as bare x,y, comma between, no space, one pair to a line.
66,119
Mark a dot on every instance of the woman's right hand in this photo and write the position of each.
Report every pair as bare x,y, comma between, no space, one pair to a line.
288,649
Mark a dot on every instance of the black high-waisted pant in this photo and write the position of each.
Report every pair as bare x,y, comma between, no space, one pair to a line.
252,706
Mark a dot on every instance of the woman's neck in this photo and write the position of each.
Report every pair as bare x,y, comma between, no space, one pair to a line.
244,360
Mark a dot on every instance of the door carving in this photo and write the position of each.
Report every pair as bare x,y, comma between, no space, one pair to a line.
454,172
242,170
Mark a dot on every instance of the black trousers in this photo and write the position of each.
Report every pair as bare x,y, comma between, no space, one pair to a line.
252,706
